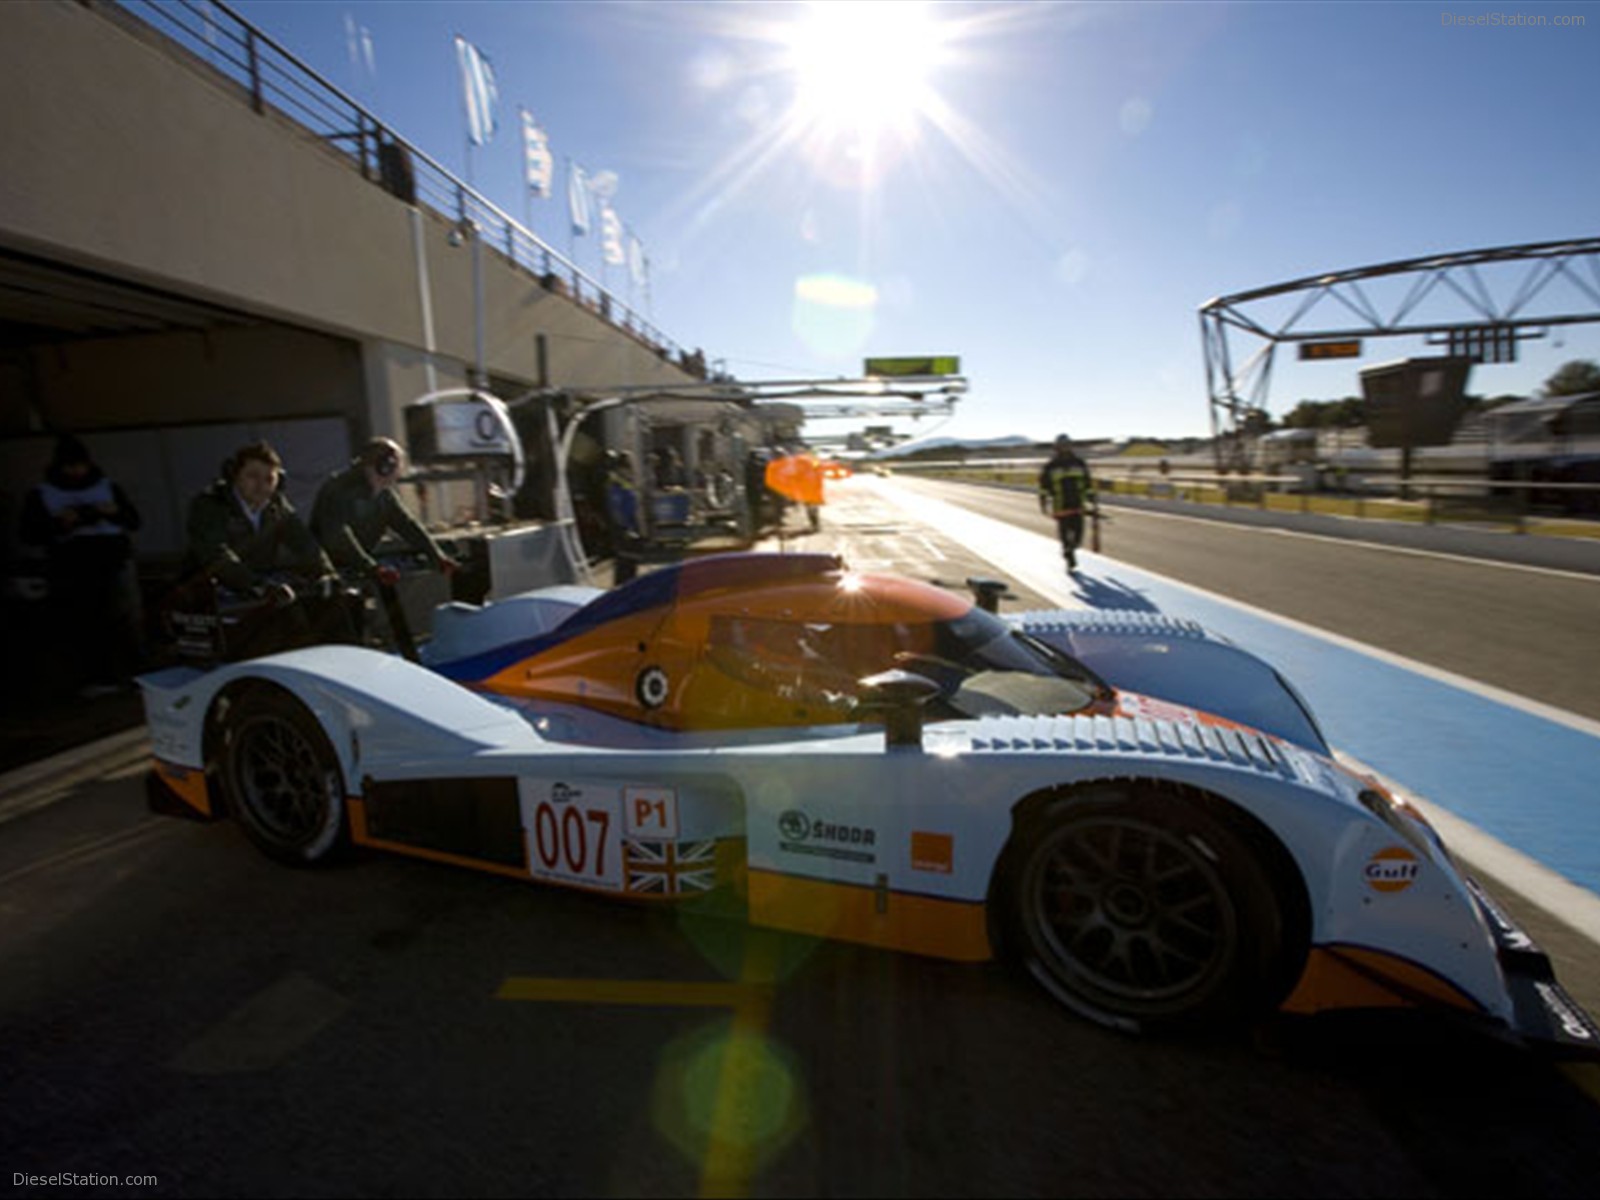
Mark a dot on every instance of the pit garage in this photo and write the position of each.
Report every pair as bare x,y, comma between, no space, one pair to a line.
160,388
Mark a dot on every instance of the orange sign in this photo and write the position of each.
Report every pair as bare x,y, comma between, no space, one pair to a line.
932,852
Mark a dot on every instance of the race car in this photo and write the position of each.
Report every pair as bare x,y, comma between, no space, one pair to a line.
1143,816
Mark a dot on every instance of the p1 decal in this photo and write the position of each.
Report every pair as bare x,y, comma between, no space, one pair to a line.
650,812
574,833
1392,869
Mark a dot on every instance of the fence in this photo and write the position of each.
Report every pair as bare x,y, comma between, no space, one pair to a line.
1514,503
272,81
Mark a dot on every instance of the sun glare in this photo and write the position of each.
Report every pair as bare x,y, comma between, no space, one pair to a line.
863,67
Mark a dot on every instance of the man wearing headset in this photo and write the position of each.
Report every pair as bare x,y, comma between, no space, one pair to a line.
358,505
245,535
246,544
353,511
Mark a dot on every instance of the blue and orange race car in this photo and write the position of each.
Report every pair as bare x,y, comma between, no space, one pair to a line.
1142,815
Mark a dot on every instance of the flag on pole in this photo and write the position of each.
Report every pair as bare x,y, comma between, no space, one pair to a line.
578,198
611,235
538,166
477,85
635,259
358,42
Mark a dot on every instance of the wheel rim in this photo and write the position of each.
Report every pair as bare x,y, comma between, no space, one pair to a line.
282,780
1134,911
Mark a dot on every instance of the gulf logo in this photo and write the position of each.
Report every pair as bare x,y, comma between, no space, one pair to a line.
1392,869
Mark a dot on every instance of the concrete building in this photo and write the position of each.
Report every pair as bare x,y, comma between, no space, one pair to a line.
201,242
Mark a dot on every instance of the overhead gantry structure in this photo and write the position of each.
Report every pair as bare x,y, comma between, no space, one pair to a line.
1477,304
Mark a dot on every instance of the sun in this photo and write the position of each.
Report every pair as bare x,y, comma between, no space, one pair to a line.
863,68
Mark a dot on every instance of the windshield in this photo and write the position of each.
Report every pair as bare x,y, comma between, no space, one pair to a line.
982,666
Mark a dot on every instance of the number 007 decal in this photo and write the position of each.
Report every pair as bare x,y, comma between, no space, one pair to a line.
574,835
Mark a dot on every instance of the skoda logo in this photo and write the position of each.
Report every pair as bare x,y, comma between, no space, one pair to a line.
794,825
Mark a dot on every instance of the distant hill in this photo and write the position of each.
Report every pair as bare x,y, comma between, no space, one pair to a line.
959,446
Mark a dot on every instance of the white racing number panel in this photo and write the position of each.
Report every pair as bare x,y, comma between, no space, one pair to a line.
574,832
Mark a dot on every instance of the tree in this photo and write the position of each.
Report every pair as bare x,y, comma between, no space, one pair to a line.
1308,414
1574,378
1326,414
1349,413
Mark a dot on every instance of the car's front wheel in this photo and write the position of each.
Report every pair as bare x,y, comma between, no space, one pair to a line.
282,778
1141,912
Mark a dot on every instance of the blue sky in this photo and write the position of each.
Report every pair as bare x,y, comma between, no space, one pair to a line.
1056,187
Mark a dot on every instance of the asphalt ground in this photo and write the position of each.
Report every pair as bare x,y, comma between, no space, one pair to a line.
174,1005
1497,543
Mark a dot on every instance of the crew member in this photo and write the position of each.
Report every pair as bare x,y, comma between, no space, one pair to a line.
246,538
358,505
82,520
797,476
622,508
1066,491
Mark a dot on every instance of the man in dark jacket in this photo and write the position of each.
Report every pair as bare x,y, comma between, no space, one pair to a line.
1066,492
357,506
354,509
244,533
82,520
246,537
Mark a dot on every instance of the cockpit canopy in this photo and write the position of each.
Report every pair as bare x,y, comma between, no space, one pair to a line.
752,641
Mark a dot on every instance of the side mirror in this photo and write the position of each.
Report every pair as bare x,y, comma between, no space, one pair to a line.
900,695
986,593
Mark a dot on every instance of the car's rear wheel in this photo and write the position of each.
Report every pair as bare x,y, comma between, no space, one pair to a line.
282,778
1141,912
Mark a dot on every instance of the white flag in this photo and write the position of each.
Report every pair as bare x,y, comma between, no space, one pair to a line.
578,198
636,259
611,235
538,166
477,85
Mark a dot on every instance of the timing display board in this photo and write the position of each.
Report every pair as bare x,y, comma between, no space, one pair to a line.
948,364
1311,351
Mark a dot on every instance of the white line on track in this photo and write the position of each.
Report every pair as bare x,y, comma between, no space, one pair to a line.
1526,704
41,784
1279,531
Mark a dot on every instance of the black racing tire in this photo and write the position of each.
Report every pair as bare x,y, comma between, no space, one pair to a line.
1141,912
282,779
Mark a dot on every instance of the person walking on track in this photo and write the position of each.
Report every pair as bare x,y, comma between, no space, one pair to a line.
1066,492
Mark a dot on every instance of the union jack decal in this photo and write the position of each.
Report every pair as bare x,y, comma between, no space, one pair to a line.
669,868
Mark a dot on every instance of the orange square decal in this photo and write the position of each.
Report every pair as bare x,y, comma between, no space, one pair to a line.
932,852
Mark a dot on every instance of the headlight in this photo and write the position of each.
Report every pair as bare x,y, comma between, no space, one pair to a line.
1404,819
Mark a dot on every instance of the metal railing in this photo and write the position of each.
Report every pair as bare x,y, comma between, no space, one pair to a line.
1516,503
272,80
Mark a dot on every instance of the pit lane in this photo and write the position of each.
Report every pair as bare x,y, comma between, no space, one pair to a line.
173,1004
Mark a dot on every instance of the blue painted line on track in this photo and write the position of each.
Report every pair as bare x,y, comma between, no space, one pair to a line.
1528,780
